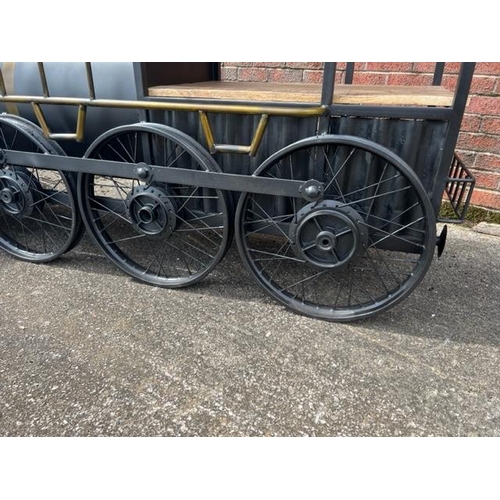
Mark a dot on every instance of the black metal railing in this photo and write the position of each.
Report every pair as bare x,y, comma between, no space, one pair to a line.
459,187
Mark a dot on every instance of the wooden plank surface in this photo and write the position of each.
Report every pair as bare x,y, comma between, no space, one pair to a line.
308,93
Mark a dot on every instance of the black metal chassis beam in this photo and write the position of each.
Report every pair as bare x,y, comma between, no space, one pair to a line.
403,112
153,173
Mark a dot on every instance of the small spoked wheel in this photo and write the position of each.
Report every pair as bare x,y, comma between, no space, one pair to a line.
360,249
39,219
168,235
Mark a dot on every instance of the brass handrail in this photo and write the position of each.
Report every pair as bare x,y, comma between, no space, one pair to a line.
265,111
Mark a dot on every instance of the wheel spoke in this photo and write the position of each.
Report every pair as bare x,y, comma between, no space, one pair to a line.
393,234
160,233
359,251
41,220
340,169
275,256
271,220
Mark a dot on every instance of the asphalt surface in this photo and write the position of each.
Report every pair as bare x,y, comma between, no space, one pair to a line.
87,351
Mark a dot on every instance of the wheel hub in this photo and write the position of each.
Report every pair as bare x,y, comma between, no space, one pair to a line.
16,197
326,241
328,235
151,211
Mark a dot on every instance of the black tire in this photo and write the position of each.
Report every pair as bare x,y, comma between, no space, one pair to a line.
358,251
39,218
165,235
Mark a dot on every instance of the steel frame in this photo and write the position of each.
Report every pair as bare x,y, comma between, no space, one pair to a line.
143,171
322,110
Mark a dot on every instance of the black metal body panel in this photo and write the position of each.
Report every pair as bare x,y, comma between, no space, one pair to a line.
417,142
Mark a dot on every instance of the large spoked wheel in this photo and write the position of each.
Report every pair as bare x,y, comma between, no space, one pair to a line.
39,219
168,235
359,250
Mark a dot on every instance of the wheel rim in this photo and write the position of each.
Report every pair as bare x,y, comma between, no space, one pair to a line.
39,220
359,250
166,235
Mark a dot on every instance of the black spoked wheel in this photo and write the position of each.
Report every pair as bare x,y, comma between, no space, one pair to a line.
359,250
167,235
39,219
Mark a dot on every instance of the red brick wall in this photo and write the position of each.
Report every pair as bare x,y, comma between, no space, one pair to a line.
479,140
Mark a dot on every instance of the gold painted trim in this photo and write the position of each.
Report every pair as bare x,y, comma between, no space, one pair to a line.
80,123
259,134
41,119
240,109
207,131
202,109
233,148
3,90
8,86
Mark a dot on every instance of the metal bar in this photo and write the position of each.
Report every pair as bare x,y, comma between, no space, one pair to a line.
243,109
70,164
231,148
215,70
410,112
41,119
139,78
3,90
7,76
207,131
438,73
43,79
235,102
62,136
216,180
90,80
460,184
139,87
349,73
80,123
450,141
259,134
328,83
327,95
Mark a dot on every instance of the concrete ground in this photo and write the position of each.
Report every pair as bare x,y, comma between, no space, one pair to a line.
87,351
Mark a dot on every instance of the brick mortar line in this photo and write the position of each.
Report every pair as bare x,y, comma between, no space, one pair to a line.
481,134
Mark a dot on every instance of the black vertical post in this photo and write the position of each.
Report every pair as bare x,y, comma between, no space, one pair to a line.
327,95
215,71
438,73
349,73
459,104
43,79
140,89
90,80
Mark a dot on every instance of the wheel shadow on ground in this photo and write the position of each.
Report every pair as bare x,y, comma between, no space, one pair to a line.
228,280
457,301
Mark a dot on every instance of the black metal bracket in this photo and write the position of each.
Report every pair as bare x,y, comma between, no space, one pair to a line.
460,184
441,241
